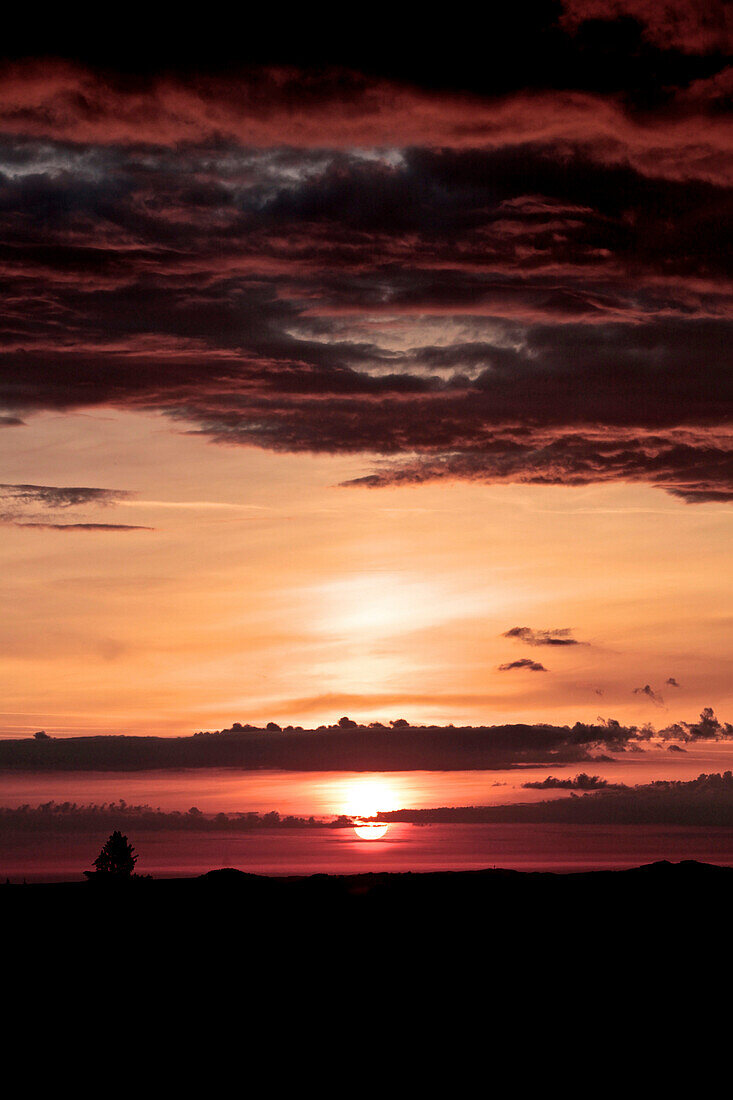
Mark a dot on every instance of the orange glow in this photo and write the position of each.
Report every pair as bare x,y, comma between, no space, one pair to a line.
215,617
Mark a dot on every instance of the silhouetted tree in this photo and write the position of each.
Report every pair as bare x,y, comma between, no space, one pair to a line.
117,857
41,735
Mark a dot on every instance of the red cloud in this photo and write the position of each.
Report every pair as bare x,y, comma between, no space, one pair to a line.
531,287
691,26
286,107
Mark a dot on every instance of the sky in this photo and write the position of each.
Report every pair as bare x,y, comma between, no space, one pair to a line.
387,379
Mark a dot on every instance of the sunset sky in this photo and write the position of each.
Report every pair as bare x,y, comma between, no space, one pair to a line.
369,382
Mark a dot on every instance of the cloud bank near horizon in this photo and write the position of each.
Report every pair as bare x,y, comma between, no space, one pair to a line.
348,746
704,801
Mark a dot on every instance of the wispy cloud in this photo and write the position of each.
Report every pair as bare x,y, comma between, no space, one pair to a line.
523,663
84,526
650,694
557,637
20,505
61,496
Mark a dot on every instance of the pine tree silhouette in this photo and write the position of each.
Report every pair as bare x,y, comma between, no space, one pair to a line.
116,857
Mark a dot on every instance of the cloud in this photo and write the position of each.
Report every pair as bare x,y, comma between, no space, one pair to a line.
83,526
18,501
580,782
332,108
523,662
705,801
55,496
63,818
694,467
691,26
357,748
374,747
556,637
522,286
650,694
672,682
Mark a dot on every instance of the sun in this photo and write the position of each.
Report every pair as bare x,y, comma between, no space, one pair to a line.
371,832
362,800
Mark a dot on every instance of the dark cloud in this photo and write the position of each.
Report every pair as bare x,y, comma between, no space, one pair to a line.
557,637
691,26
621,48
71,817
523,663
695,470
61,496
354,747
516,285
649,692
360,747
84,526
705,801
19,506
580,782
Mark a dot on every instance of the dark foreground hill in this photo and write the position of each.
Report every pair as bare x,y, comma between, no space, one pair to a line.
495,961
441,912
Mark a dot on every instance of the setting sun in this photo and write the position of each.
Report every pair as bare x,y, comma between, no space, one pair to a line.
363,800
371,832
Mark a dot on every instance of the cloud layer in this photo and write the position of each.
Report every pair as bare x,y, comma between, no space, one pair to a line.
39,506
523,663
506,282
348,746
556,637
705,801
